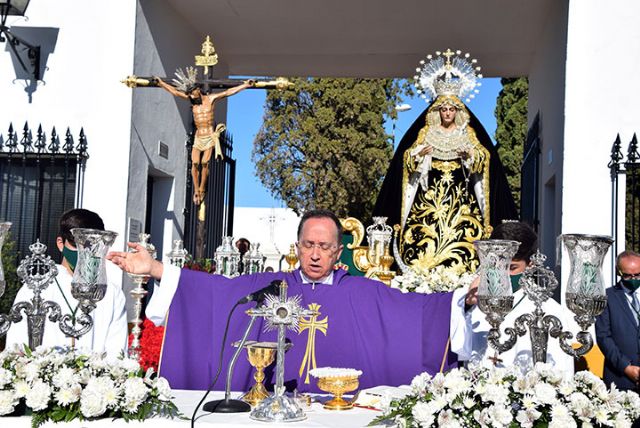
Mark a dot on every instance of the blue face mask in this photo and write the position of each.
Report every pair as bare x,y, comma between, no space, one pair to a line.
71,256
515,281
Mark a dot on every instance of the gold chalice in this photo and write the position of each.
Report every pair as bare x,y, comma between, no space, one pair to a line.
338,385
260,355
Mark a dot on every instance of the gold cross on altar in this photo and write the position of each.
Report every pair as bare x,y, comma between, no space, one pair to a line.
312,324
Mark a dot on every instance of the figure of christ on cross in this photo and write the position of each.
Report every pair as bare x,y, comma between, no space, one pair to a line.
207,138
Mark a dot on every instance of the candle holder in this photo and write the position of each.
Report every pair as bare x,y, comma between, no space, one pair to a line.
178,255
585,294
138,293
227,258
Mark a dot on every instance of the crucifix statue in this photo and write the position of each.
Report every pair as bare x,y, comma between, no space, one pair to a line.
203,99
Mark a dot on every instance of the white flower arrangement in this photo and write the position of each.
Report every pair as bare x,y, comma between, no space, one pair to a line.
61,385
507,397
436,280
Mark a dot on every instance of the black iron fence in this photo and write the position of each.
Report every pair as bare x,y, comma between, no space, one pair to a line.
205,227
530,176
41,176
629,169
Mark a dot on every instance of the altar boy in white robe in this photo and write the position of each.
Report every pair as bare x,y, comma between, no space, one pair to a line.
482,352
109,331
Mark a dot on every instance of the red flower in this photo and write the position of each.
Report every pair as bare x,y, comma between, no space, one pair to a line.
150,344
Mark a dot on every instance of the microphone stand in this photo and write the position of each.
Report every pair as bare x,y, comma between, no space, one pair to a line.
228,405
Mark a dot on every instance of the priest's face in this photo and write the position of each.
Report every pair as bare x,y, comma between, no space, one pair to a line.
318,248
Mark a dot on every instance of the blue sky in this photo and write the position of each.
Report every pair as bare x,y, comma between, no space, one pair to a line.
246,111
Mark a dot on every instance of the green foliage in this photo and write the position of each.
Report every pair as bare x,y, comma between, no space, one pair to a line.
323,143
511,132
9,263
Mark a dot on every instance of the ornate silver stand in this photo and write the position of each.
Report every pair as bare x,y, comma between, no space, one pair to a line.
138,294
281,313
585,294
88,286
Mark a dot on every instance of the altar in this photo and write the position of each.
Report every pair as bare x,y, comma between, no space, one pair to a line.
186,402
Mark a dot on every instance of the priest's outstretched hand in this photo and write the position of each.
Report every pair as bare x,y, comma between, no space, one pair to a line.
137,262
472,294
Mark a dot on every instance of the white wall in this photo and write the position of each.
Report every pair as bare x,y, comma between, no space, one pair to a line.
546,96
602,87
81,89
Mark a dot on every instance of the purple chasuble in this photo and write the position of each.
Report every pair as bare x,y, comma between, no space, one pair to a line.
363,324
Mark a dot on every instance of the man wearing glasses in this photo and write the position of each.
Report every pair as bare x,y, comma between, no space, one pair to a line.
618,327
362,323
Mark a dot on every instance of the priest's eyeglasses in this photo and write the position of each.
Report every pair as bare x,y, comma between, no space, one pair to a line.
630,275
325,247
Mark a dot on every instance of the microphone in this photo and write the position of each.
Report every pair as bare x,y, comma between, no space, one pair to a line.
258,296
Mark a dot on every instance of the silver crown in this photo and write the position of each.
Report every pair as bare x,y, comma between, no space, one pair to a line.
37,248
449,73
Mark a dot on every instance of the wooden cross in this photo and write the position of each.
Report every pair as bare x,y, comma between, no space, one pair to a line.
495,359
312,324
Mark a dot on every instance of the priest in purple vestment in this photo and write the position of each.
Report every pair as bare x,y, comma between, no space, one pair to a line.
360,323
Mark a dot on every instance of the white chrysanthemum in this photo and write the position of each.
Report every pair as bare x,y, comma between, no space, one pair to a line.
31,371
500,415
456,382
468,402
22,388
422,414
545,393
117,371
620,422
130,365
64,377
602,415
6,377
164,390
497,394
529,403
566,388
560,416
8,401
135,390
38,396
526,418
68,394
447,419
92,403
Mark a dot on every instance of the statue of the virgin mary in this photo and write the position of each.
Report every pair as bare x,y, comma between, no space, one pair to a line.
445,186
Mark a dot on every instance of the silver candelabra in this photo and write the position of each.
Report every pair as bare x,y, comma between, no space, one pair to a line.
585,294
88,287
138,293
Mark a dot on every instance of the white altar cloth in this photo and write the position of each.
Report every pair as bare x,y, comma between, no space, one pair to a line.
186,402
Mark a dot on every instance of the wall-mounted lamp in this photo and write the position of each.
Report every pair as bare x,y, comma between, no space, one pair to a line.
18,8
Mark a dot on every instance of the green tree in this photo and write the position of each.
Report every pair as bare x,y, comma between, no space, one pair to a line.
323,144
511,131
